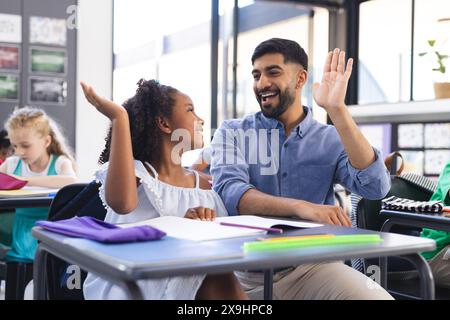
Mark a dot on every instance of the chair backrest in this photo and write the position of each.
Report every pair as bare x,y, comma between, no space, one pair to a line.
368,216
64,281
408,186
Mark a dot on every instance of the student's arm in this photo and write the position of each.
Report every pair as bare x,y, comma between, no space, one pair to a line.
65,176
3,167
232,182
120,185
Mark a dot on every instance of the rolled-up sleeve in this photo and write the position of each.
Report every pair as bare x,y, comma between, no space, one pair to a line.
372,183
229,168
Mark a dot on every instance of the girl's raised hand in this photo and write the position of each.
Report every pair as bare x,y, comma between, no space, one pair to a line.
103,105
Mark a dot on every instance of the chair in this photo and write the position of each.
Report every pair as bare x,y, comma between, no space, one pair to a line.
79,199
402,276
73,200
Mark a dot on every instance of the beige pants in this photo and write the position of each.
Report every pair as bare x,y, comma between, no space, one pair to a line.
323,281
440,266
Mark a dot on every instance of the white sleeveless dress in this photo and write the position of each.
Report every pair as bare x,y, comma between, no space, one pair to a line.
156,198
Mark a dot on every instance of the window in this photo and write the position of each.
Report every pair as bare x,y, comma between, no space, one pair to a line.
427,27
313,39
137,22
384,51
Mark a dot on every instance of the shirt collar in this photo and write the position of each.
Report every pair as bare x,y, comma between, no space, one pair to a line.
301,129
304,126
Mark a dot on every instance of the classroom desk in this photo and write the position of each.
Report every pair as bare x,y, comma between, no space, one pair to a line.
121,265
28,202
410,219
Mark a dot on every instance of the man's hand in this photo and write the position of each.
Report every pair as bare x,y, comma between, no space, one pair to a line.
323,214
330,93
200,213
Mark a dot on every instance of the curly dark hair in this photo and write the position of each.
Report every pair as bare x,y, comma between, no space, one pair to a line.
151,100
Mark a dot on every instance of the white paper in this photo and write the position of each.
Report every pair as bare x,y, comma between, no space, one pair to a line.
196,230
10,28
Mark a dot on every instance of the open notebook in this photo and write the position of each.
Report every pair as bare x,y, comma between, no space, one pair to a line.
196,230
26,192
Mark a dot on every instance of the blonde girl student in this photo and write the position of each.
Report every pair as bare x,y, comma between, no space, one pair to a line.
42,158
142,178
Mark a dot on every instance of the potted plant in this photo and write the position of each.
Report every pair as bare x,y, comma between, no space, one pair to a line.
441,89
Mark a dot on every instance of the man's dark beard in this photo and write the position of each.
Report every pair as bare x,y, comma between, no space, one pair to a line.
285,98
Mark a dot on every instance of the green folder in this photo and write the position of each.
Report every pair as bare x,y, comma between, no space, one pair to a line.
312,242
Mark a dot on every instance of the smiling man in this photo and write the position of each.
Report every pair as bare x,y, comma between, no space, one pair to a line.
309,159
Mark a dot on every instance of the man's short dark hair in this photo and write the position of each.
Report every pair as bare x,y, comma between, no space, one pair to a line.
291,51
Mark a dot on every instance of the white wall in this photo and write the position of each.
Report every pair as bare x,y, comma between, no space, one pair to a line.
94,66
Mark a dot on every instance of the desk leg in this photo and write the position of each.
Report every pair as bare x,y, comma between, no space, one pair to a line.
268,284
388,224
133,291
39,266
425,275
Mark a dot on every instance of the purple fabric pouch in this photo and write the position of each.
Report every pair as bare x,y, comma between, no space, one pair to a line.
90,228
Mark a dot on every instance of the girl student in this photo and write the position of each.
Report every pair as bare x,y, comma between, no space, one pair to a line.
42,158
142,178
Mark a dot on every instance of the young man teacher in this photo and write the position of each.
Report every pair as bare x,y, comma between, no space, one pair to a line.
281,162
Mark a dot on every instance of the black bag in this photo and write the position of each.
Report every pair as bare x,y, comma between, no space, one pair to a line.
73,200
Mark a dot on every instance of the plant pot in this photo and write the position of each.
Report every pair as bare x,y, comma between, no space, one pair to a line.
442,90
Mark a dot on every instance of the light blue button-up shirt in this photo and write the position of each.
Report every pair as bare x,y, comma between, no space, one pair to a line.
254,152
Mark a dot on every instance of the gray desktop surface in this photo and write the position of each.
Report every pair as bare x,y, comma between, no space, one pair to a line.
142,260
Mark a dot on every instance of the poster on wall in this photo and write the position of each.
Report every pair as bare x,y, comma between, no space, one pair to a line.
9,57
48,31
435,161
9,87
48,61
43,90
437,135
10,28
410,135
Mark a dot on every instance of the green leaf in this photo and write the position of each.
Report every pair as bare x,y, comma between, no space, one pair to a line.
431,42
422,54
441,69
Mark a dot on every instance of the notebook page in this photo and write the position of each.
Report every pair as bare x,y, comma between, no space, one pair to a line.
257,221
194,230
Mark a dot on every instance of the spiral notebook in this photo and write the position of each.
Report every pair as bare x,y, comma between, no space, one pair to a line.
408,205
